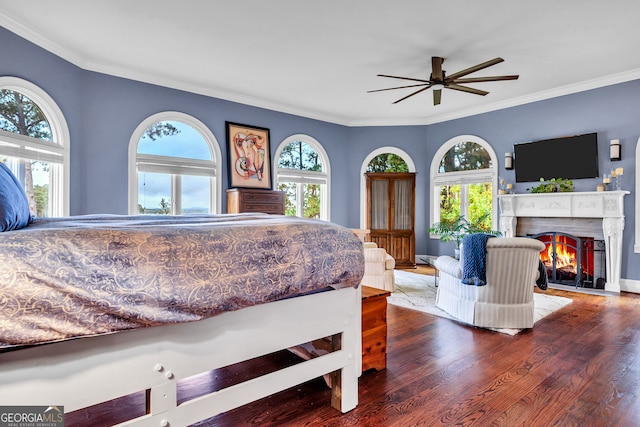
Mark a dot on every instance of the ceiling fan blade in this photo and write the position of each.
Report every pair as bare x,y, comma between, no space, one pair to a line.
404,78
485,79
398,87
437,96
475,68
414,93
467,89
436,68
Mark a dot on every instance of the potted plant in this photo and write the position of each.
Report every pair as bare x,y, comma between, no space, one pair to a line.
554,185
456,230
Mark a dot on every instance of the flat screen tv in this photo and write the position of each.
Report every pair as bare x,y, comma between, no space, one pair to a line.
572,157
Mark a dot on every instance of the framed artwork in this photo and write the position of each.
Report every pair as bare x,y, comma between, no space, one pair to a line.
249,158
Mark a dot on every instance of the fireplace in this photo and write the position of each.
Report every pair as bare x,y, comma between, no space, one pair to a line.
573,260
590,213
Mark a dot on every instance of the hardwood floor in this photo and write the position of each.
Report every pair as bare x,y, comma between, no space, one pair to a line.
579,366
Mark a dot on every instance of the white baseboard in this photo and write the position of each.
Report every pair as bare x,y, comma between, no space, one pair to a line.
628,285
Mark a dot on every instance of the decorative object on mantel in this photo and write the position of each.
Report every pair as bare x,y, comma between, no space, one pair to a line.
554,185
505,188
615,150
606,180
616,174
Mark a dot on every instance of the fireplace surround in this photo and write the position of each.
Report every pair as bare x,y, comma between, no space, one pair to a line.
601,212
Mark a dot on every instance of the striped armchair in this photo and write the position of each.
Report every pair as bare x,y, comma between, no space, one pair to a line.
506,301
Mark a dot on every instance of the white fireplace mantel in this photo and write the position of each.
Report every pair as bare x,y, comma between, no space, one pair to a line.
608,205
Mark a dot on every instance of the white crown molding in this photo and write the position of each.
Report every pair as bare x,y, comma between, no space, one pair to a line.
247,99
30,35
241,98
528,99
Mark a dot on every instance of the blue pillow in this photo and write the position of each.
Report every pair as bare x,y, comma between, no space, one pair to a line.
14,206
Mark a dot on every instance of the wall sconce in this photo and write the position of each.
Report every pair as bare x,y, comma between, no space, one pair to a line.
615,150
508,161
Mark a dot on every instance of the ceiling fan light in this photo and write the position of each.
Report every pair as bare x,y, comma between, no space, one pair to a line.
437,86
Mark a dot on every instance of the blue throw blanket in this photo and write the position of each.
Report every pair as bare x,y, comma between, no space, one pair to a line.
474,261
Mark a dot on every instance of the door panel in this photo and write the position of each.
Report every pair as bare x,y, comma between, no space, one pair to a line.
391,214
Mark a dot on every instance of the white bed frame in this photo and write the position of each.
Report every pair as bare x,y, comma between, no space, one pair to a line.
83,372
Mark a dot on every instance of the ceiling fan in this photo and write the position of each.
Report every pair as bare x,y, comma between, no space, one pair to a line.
438,80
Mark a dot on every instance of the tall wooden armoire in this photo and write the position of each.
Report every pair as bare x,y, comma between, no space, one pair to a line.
391,214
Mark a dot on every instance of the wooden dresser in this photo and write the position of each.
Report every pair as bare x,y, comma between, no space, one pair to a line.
241,200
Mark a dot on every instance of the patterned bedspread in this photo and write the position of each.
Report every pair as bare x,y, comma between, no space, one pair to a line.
90,275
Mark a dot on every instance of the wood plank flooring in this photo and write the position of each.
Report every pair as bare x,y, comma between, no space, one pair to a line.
579,366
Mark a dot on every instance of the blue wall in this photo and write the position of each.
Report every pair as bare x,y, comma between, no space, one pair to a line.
102,112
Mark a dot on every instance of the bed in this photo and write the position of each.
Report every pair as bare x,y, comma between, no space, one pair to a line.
101,306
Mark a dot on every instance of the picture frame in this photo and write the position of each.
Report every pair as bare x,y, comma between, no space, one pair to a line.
249,156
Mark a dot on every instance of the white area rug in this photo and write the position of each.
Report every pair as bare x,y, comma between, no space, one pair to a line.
418,292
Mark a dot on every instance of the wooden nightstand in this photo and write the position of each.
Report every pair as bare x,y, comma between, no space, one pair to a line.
374,328
374,333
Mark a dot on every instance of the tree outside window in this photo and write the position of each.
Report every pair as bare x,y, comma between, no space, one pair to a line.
387,162
464,179
20,115
301,174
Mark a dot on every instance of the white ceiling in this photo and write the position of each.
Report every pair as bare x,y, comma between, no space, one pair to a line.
319,58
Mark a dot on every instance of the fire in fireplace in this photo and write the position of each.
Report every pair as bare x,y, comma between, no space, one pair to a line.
572,260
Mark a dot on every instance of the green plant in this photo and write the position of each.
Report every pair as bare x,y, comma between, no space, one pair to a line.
554,185
456,230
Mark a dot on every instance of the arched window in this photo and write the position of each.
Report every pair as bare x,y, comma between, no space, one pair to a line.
302,171
173,167
464,180
34,144
387,162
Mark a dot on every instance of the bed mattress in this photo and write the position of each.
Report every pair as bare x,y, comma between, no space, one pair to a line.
80,276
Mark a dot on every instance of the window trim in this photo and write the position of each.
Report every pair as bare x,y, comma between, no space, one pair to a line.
307,177
462,177
363,170
215,166
58,148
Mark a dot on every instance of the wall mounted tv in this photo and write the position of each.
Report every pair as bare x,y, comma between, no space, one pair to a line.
571,157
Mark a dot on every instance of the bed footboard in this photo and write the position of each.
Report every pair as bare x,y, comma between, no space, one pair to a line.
80,373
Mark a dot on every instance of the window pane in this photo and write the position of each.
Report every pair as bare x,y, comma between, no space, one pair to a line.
387,162
196,194
19,114
300,155
290,199
34,176
465,156
480,204
154,193
174,139
312,194
449,202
